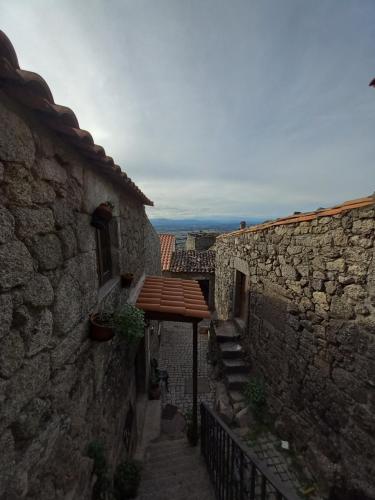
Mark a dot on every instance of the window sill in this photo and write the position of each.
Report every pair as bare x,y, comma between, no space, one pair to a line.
107,288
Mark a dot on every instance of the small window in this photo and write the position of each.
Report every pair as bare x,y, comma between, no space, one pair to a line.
103,245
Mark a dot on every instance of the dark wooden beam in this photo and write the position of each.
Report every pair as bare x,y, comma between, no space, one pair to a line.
195,382
158,316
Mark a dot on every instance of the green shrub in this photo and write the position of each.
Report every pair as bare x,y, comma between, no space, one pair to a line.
95,450
192,437
129,323
126,480
255,396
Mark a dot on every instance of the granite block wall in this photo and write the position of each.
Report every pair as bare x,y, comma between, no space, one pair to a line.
310,332
59,390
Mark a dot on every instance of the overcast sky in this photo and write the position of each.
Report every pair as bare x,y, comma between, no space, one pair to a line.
215,107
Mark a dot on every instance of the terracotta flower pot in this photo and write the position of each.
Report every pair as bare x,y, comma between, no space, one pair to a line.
104,211
126,280
99,331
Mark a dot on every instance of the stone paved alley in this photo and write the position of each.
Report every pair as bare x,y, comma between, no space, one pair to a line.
176,356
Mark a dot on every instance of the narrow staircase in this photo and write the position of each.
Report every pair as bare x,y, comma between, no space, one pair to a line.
235,368
174,470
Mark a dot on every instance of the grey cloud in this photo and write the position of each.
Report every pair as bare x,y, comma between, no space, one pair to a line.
257,107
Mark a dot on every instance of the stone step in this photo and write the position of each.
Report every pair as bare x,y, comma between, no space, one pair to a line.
234,365
230,349
191,480
168,444
236,396
236,381
168,468
226,332
158,456
180,493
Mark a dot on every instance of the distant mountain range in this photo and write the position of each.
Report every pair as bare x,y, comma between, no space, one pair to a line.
181,227
198,224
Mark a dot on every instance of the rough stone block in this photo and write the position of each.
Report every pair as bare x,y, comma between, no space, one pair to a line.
67,351
68,242
42,193
29,381
341,308
31,419
6,225
16,265
30,221
12,352
7,460
38,291
320,299
355,292
63,211
47,251
336,265
16,140
85,233
6,314
51,170
67,307
17,181
40,336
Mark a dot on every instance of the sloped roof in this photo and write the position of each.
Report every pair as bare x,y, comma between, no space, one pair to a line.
31,90
306,216
172,296
193,261
167,247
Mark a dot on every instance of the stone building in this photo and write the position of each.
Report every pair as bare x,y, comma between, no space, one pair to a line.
189,265
302,291
195,265
60,390
201,240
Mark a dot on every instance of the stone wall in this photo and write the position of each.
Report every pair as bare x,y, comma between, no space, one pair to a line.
59,390
200,241
310,332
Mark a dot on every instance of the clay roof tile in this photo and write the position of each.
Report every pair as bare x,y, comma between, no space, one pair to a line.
306,216
173,296
167,247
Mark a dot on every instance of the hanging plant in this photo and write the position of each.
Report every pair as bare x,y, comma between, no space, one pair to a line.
129,323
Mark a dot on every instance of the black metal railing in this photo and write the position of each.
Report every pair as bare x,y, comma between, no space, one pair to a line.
236,473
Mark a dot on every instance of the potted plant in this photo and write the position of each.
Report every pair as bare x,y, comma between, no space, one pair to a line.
126,279
101,326
102,214
95,451
129,323
126,479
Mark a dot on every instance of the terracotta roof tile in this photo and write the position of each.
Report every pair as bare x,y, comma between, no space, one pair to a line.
193,261
31,90
167,247
307,216
173,296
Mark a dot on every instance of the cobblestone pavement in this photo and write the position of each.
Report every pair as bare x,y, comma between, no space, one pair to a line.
176,356
283,465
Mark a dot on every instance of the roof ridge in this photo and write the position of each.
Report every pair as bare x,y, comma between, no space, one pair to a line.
305,216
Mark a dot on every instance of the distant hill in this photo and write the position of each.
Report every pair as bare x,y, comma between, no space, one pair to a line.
181,227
